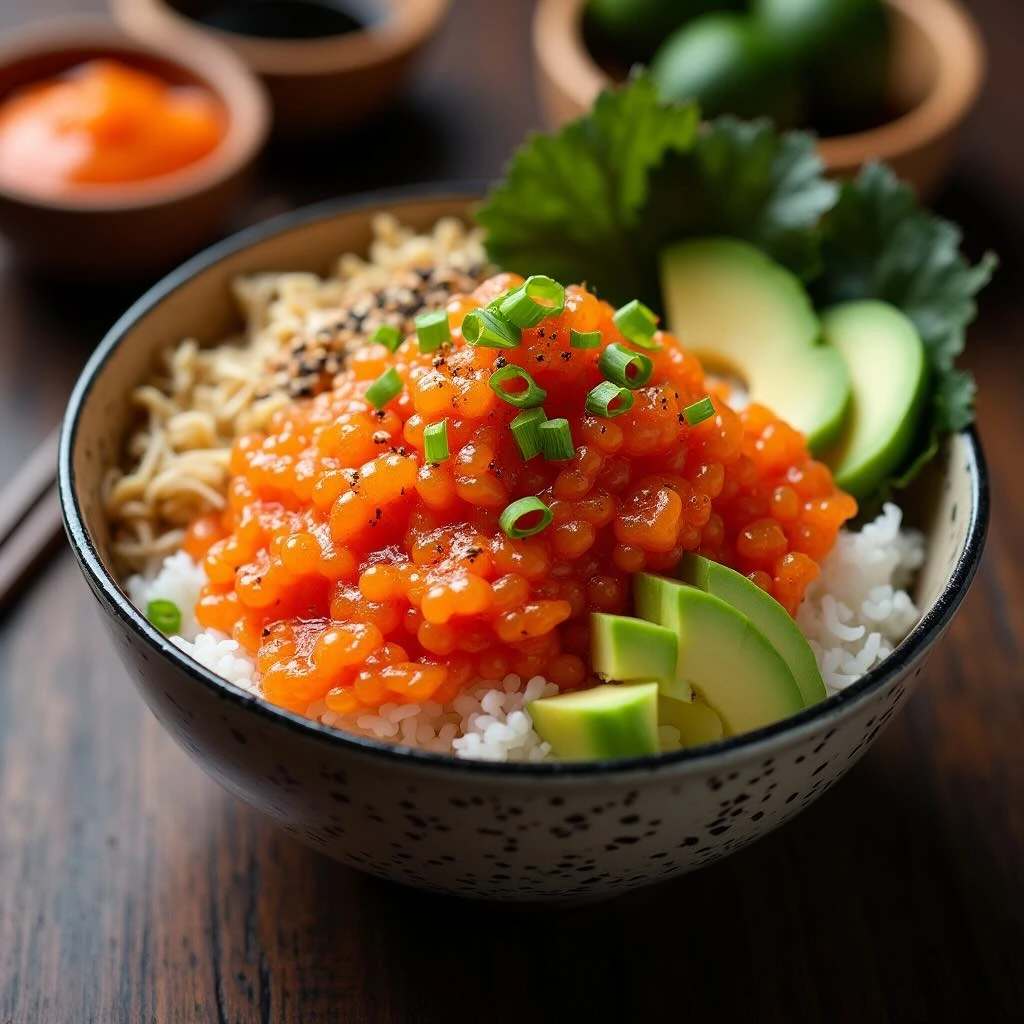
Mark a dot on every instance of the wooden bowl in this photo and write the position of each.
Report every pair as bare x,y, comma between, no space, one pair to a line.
137,230
315,85
510,832
935,76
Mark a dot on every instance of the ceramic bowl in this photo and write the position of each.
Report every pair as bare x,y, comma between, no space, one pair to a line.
935,76
316,85
508,832
137,230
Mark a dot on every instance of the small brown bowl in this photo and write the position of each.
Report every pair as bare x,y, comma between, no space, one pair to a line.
102,233
936,73
316,85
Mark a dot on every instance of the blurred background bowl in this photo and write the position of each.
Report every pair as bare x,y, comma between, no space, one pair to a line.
107,233
316,85
936,69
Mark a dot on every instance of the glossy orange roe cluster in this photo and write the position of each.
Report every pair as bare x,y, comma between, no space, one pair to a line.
358,573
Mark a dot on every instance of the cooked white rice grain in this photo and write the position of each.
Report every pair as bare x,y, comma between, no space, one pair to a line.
856,611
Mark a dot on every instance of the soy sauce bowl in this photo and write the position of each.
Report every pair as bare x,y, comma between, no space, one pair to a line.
317,85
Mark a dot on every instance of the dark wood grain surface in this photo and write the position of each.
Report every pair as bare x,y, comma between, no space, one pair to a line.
133,889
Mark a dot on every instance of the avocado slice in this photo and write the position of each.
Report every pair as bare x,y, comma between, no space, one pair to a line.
696,722
723,657
626,649
766,614
605,721
888,371
743,314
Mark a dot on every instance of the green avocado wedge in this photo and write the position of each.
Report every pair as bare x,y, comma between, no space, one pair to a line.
625,649
888,369
723,658
697,723
743,314
765,612
605,721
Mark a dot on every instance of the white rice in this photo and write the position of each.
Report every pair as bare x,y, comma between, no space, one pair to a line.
857,610
854,614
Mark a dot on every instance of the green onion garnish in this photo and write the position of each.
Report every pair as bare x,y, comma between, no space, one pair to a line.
495,304
511,519
584,339
387,335
625,368
636,323
384,388
432,330
488,329
530,396
536,298
435,441
525,432
609,400
556,440
699,411
165,615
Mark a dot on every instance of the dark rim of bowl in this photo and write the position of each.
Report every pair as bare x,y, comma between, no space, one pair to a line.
906,654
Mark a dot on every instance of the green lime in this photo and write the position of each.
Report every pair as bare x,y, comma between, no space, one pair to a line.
635,28
726,63
842,48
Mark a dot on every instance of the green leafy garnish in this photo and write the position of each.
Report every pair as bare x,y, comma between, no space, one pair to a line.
574,205
596,201
742,179
877,243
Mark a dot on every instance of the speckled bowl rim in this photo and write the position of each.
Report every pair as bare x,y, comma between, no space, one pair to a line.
924,634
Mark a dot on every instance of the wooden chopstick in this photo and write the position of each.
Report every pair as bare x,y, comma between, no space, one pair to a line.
30,519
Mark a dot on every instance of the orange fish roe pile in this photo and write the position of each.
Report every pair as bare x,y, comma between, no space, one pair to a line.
357,573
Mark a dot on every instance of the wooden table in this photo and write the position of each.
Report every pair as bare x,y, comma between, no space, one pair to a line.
133,889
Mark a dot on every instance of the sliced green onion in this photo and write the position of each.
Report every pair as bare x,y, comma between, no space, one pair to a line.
384,388
530,396
511,519
432,330
525,432
495,304
625,368
488,329
387,335
165,615
609,400
699,411
584,339
636,323
556,440
435,441
536,298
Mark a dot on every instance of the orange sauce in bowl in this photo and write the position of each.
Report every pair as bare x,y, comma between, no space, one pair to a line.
104,123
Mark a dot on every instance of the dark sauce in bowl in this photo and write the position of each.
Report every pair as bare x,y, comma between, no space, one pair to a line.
283,19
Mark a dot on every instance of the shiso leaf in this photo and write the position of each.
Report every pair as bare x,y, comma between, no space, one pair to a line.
742,179
573,204
597,200
878,243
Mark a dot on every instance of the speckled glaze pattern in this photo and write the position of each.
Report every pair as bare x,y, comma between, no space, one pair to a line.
507,832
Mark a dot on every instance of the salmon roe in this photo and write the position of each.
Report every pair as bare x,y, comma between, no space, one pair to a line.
357,573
